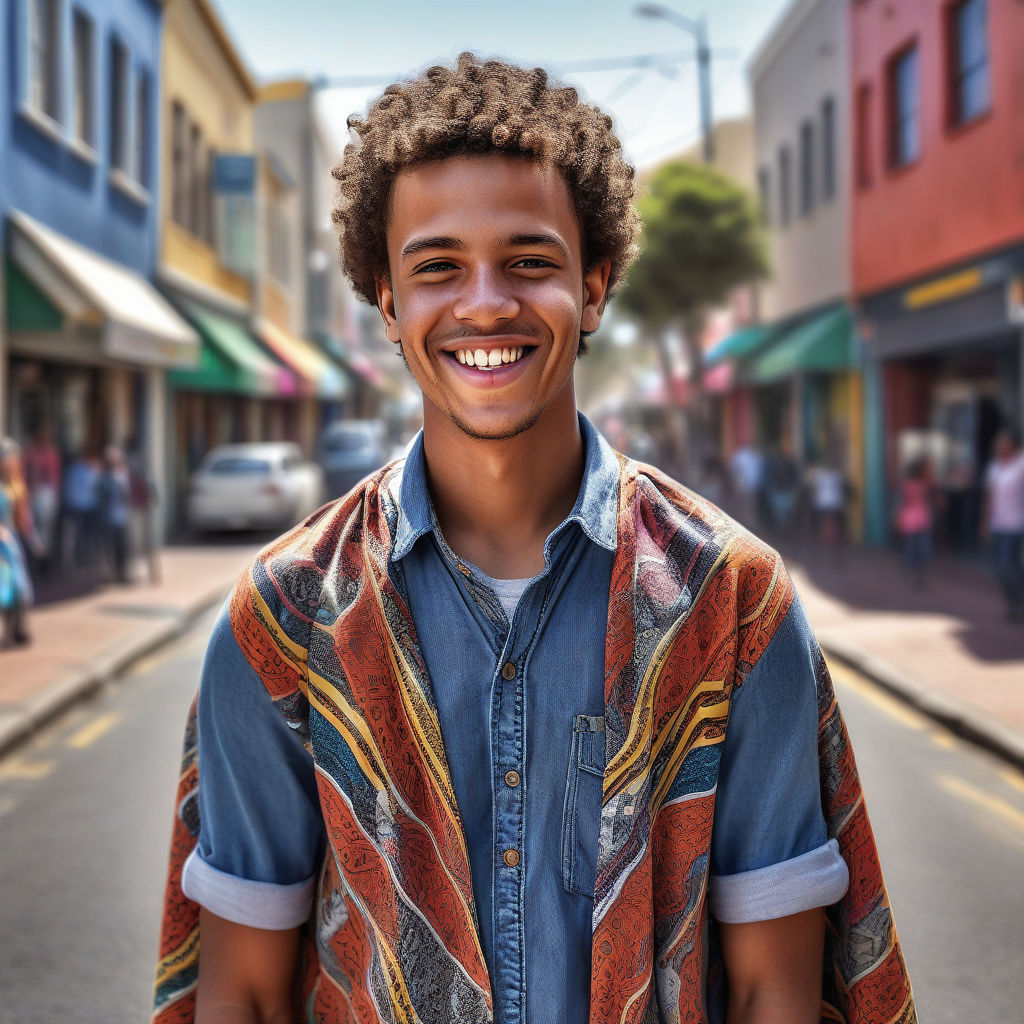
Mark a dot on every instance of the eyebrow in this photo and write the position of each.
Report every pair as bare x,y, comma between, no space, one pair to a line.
436,242
552,241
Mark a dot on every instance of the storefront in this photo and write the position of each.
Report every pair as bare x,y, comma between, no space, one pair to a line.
89,341
949,355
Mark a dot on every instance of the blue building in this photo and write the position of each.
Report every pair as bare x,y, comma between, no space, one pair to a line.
85,338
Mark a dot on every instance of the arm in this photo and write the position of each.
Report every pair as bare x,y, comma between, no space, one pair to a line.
774,969
246,975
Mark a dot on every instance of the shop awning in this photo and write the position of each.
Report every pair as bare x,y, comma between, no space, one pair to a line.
136,323
823,344
316,373
740,344
231,360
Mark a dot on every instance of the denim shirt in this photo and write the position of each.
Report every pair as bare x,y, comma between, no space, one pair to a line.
520,705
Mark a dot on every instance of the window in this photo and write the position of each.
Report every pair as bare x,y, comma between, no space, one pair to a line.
828,149
785,171
197,182
44,57
179,165
969,88
904,109
143,91
120,108
764,188
81,37
208,197
863,140
806,168
278,256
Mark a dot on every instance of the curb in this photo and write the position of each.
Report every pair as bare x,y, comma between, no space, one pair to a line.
19,725
956,716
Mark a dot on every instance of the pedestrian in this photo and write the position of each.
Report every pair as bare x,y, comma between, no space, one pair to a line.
17,531
746,467
42,477
829,491
81,504
1003,519
914,519
462,733
143,499
114,496
782,487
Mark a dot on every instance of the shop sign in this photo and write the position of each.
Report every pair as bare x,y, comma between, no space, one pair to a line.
942,289
1015,299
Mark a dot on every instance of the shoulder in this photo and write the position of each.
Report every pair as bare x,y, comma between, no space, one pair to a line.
275,601
726,565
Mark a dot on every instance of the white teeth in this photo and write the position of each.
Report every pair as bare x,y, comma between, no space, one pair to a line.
519,353
494,357
468,357
460,354
506,355
483,360
480,357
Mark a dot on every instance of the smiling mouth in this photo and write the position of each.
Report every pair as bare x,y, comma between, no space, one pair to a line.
492,359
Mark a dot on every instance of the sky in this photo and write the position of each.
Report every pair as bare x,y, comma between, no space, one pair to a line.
655,113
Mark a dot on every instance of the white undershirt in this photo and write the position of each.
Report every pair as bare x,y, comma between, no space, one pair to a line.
509,592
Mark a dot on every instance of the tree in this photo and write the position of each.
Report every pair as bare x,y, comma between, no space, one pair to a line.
702,237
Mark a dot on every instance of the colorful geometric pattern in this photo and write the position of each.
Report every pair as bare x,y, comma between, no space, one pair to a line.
694,601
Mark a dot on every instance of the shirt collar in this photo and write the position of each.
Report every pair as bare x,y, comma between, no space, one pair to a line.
596,509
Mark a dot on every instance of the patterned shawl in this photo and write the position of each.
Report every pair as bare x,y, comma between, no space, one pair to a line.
694,601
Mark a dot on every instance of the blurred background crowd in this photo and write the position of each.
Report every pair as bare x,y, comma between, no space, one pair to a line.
824,332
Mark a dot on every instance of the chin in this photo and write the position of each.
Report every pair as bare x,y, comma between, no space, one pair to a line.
495,427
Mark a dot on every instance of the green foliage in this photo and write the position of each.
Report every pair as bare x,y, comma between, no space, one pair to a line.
701,238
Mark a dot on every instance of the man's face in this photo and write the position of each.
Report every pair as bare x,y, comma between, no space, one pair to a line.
488,293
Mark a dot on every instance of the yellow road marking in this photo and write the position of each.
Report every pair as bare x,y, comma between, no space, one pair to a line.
7,804
17,768
92,731
1014,778
1006,812
875,695
941,738
146,665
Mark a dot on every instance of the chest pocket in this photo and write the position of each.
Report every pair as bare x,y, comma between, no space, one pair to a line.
581,819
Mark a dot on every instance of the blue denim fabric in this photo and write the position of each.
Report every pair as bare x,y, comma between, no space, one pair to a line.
545,723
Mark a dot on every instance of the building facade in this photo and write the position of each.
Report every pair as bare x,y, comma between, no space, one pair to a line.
938,240
85,338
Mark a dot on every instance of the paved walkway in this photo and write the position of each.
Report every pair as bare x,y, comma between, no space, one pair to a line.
80,643
947,649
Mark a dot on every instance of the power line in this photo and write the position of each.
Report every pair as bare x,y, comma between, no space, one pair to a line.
639,60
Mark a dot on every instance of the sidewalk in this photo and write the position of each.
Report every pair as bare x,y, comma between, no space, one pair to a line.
948,649
80,643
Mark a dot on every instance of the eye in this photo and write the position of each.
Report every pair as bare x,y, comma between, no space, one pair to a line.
436,267
533,263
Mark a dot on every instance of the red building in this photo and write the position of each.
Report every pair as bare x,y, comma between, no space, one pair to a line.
938,236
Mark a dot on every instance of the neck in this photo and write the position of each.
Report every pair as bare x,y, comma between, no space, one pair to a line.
497,501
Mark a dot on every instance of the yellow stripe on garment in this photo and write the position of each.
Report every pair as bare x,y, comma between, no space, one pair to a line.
683,745
179,959
281,638
641,721
352,728
768,594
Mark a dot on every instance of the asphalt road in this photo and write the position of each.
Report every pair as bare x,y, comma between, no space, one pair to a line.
85,818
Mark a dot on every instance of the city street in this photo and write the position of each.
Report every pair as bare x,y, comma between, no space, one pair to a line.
85,814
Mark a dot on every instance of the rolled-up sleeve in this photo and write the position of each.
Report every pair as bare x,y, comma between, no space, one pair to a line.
261,833
770,851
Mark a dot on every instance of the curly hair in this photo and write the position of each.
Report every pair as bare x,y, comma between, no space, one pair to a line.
482,107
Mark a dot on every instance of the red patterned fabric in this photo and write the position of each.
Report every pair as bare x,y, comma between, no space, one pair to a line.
694,602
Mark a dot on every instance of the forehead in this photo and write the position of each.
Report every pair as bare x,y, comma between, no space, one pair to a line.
473,198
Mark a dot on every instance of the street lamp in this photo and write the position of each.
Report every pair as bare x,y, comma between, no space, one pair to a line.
697,27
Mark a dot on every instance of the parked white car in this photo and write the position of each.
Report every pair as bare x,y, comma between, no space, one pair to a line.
249,486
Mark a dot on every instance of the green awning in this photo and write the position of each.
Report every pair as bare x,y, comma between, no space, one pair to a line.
231,360
740,344
823,344
28,309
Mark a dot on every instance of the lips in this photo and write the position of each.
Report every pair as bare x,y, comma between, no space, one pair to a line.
483,359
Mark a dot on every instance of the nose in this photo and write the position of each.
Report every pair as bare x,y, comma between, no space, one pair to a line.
485,299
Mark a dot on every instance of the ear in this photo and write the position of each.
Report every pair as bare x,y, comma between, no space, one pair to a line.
595,293
388,311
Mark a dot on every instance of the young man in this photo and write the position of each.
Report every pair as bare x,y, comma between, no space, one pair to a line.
518,730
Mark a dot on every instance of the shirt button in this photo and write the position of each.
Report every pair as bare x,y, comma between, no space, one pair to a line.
508,670
511,857
512,778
